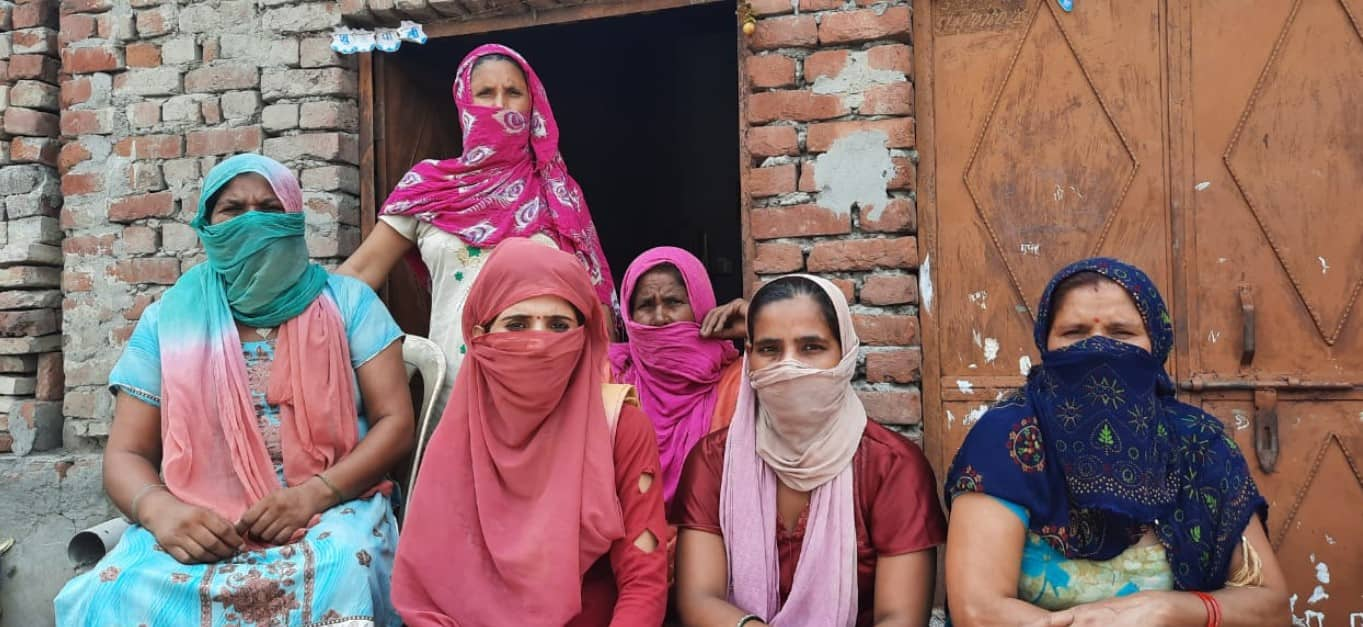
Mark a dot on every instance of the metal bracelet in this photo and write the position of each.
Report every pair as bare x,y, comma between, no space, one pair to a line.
340,498
137,497
747,619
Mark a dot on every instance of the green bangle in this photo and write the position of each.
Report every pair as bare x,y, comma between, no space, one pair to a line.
340,498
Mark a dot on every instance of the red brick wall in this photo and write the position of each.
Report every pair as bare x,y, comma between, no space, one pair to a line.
832,169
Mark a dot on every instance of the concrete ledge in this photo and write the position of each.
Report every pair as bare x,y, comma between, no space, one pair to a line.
47,498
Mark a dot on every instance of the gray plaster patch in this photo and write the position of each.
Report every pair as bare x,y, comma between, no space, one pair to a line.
856,77
855,171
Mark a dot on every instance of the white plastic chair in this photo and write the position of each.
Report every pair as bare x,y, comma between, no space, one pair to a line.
418,355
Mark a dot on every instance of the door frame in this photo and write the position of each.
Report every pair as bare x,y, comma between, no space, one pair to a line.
372,115
926,186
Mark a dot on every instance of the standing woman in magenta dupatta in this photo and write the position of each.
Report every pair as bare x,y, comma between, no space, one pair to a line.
259,404
804,513
509,182
537,501
1093,496
679,354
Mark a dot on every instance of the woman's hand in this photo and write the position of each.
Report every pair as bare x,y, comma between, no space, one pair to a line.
726,322
1168,609
190,534
275,518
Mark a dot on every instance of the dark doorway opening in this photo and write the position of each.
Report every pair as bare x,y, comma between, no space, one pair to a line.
647,105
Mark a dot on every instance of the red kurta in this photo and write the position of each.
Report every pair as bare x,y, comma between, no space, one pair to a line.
628,587
893,487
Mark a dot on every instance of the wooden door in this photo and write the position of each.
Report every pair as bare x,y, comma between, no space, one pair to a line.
1040,154
1217,144
1271,140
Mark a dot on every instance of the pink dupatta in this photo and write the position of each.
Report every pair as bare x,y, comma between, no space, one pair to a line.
510,182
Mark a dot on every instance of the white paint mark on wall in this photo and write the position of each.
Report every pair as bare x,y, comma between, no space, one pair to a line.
975,415
1329,539
973,366
1024,365
965,386
1323,572
1310,618
1314,619
977,338
1202,186
1077,192
1318,595
1241,420
855,172
1213,336
1356,619
951,418
1031,249
1221,260
980,299
991,350
925,283
1324,266
1059,193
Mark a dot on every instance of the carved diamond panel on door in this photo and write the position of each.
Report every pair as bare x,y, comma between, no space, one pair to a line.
1051,116
1304,125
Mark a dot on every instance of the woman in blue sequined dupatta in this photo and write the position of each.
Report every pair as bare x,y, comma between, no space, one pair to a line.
1092,496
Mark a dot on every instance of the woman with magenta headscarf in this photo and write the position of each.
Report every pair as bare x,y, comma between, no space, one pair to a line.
259,404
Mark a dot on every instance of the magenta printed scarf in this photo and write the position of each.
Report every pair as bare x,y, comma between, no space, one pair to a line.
675,370
510,182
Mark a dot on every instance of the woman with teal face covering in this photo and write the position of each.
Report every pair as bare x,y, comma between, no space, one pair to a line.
258,406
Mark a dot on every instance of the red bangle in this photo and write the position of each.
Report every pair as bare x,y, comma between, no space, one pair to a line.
1213,608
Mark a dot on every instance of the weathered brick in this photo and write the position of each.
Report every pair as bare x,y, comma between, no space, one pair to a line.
777,258
160,81
80,184
864,254
101,58
798,221
89,245
212,111
772,141
222,77
316,52
141,176
156,22
326,207
150,147
72,154
29,323
301,83
789,31
259,49
51,379
144,114
176,237
332,178
772,181
34,66
29,277
899,132
142,55
342,116
136,240
893,57
771,7
40,229
865,25
899,215
116,27
33,13
93,122
182,109
326,146
42,150
30,123
86,6
240,105
898,365
223,141
35,95
893,406
343,244
28,345
795,105
890,289
75,91
889,99
279,117
886,330
76,282
40,40
16,385
158,205
28,299
179,50
75,28
303,18
154,270
905,174
180,172
769,71
21,364
825,63
36,426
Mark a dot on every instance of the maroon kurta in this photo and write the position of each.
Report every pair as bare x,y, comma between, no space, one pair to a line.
893,487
